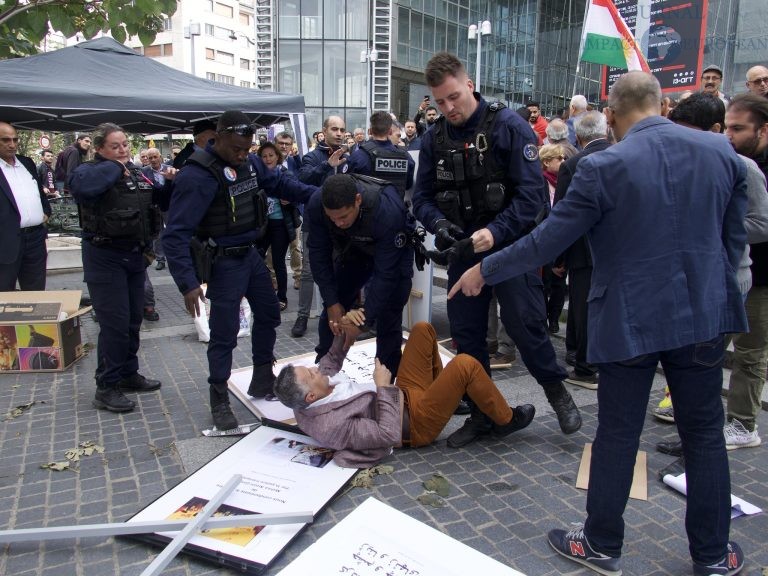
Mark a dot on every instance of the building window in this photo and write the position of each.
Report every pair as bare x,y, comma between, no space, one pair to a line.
225,57
153,51
210,54
245,84
223,10
210,76
224,79
209,30
245,64
245,19
167,25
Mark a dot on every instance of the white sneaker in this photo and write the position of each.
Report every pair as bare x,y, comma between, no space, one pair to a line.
737,436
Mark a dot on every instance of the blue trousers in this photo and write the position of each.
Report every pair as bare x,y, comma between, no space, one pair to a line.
232,278
522,312
351,276
115,280
695,378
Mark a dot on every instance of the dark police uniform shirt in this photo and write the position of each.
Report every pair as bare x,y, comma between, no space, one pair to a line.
193,191
360,162
513,143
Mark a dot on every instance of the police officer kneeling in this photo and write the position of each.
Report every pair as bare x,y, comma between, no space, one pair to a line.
360,234
218,208
120,217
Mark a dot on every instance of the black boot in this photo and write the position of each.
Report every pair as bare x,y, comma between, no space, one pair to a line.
138,383
299,327
262,381
521,416
110,398
474,427
223,417
568,415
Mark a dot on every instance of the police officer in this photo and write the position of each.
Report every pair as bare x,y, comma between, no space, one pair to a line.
380,158
120,217
360,234
218,207
479,187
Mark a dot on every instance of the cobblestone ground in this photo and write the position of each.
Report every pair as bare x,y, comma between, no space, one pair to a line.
505,495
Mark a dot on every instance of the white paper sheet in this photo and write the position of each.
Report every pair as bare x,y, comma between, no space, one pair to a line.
376,539
739,507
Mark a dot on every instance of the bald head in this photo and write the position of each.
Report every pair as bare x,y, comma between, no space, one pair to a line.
634,96
154,158
9,141
757,80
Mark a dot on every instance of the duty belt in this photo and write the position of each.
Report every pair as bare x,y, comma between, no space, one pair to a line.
234,250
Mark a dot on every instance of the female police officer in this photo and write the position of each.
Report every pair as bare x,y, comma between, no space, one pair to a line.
120,218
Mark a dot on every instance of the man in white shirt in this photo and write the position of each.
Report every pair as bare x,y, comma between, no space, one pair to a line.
23,211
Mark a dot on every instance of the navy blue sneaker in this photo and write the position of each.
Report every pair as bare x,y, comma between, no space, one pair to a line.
574,546
732,563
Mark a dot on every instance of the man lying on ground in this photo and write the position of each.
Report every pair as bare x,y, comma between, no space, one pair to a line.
363,421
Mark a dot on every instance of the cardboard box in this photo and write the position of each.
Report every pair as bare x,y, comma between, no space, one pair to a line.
33,338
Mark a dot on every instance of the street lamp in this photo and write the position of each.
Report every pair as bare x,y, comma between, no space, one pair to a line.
190,32
477,31
370,56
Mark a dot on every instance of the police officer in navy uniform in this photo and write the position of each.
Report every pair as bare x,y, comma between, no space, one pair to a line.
479,187
380,158
219,204
360,234
120,217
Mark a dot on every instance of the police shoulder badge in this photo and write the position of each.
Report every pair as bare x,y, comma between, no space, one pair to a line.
230,173
530,152
344,168
400,239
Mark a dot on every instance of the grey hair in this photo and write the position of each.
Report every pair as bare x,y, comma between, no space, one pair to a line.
579,102
101,132
557,130
289,390
590,126
635,91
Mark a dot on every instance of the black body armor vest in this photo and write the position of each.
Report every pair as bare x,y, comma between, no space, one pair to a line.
359,236
239,205
389,165
126,213
470,188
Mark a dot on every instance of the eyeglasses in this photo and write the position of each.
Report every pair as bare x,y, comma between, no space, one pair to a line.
756,81
240,129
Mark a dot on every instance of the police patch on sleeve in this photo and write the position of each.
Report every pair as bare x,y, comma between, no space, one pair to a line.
400,239
344,168
230,174
531,152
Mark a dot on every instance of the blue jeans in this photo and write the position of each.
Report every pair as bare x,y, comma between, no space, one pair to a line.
695,378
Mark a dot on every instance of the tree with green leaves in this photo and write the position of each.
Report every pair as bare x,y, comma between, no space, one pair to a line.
24,23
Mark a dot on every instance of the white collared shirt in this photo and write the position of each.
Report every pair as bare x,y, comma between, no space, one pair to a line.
25,192
344,388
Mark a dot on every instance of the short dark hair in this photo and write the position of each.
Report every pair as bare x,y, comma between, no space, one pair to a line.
430,107
46,150
533,103
232,118
524,112
266,145
440,66
81,136
757,106
283,135
381,123
288,389
339,191
699,109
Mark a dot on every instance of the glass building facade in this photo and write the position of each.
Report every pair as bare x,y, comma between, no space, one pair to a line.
531,54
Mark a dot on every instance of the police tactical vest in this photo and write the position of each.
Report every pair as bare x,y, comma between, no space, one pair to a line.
359,236
126,213
388,164
239,205
470,189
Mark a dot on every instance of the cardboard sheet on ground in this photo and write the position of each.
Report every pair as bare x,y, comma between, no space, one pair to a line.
358,366
282,472
639,490
377,539
739,507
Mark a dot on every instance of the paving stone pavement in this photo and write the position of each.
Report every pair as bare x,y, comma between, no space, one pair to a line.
505,495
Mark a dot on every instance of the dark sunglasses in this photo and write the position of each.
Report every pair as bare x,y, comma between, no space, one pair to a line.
240,129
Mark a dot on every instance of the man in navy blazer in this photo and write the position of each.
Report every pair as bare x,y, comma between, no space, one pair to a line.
664,213
23,211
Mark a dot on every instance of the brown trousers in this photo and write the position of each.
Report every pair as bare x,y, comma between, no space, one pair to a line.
432,392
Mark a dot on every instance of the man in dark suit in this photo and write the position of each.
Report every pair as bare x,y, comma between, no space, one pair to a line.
202,131
23,211
664,210
591,129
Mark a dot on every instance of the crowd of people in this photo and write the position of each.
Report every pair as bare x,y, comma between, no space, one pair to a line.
654,209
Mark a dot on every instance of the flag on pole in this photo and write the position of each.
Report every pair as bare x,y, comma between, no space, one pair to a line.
607,39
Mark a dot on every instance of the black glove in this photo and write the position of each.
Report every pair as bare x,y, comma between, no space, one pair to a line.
461,251
446,234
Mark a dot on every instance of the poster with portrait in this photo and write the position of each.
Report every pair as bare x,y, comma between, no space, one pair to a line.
283,472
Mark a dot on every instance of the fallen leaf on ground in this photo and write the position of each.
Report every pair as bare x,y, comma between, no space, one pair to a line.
55,466
364,478
85,448
432,499
438,483
19,410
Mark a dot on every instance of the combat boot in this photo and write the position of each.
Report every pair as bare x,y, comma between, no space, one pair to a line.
568,415
262,381
223,417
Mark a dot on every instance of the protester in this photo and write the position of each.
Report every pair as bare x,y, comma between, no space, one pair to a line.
678,235
711,79
69,159
24,209
537,121
115,259
363,421
46,175
757,81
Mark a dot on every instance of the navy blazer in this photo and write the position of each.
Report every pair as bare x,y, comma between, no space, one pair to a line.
10,232
664,212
